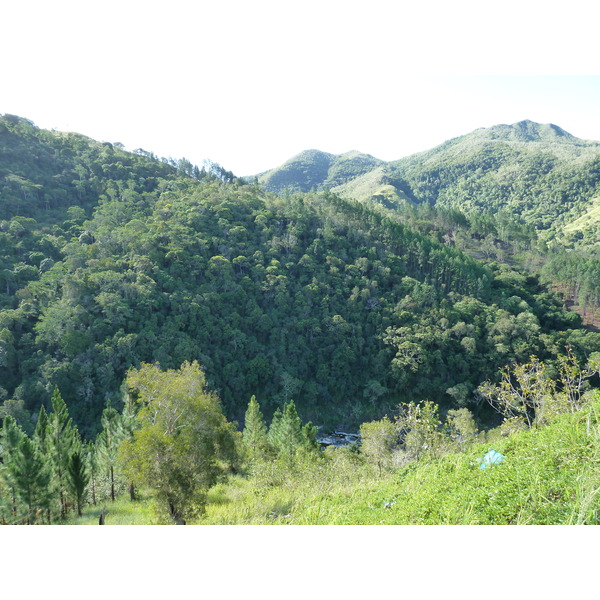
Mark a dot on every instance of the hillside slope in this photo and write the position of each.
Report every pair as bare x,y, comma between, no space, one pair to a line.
539,173
316,170
311,297
549,476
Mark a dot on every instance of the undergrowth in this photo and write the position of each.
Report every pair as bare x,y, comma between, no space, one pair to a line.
550,475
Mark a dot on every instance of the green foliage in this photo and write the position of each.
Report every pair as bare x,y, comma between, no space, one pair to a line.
419,426
346,308
461,427
63,440
550,476
106,450
78,477
288,436
184,443
526,392
255,431
379,440
28,475
317,170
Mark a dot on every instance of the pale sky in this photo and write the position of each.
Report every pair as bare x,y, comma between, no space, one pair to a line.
250,84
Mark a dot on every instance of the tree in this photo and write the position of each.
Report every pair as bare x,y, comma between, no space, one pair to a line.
93,467
525,392
108,442
29,477
255,431
379,440
528,393
62,440
184,443
572,377
288,435
40,435
461,427
419,427
78,477
10,439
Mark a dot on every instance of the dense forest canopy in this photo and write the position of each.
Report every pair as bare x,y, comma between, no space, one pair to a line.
111,259
539,173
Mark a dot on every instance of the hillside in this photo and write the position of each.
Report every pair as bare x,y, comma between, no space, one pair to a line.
538,172
549,476
316,170
523,194
154,317
312,298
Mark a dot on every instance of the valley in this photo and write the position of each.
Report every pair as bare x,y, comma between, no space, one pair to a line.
335,289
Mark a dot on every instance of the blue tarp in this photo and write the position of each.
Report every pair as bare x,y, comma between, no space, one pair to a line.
491,458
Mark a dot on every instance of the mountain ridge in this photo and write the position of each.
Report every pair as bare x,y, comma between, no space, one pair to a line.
540,172
521,132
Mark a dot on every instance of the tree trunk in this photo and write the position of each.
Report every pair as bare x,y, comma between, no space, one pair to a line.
175,515
112,483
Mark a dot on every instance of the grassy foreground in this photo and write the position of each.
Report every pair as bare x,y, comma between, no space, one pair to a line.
550,475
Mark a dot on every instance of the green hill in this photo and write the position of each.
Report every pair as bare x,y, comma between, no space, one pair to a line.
335,310
316,170
540,173
314,297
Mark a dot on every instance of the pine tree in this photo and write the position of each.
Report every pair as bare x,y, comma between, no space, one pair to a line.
29,476
255,431
41,438
10,438
287,434
108,442
93,466
40,435
61,442
78,477
273,435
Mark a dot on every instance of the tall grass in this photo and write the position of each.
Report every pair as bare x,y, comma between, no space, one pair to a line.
549,475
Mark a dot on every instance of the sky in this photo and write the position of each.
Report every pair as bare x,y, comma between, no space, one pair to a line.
251,84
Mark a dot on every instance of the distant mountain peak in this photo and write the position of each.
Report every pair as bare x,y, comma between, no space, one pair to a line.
315,169
528,131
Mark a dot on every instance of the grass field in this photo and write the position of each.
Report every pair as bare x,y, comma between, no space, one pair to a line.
549,475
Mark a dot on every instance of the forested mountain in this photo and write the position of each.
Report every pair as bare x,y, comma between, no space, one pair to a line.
524,193
111,259
316,170
540,173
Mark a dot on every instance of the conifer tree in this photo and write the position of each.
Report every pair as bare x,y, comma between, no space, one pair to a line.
108,442
273,435
287,434
61,439
40,435
29,476
93,466
255,431
78,477
42,441
10,438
